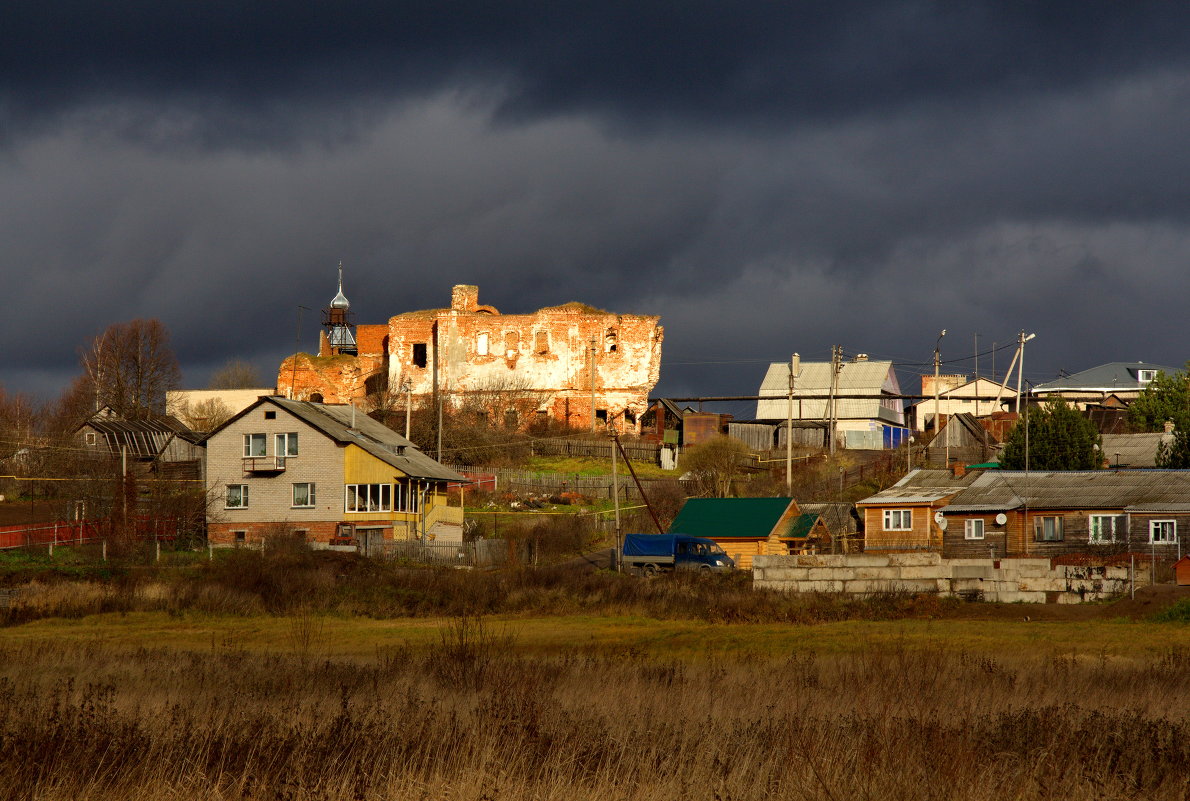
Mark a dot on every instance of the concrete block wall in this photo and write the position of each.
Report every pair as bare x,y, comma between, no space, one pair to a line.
1001,580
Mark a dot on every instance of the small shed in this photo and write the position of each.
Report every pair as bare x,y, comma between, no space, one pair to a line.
1181,571
747,527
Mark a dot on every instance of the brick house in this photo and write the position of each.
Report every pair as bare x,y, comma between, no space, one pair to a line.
325,471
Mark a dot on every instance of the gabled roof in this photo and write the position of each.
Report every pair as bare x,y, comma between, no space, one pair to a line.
855,378
1110,377
802,525
967,429
731,518
1001,490
144,438
839,517
337,422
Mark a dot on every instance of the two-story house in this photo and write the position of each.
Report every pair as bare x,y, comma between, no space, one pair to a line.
324,471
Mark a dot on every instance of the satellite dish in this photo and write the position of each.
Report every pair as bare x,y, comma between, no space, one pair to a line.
940,519
1001,519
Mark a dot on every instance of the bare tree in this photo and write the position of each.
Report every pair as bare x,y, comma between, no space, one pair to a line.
130,366
205,415
236,374
17,420
715,464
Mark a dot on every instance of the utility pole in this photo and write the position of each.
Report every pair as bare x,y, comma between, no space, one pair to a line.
937,366
437,392
618,555
794,364
836,366
408,387
592,385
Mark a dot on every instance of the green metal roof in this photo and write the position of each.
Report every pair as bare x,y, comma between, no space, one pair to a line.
803,524
727,518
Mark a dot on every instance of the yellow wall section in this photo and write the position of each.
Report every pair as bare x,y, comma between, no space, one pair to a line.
361,467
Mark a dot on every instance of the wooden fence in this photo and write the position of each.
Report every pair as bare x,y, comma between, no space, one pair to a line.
522,482
593,448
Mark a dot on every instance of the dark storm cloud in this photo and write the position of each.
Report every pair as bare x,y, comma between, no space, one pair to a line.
766,177
639,63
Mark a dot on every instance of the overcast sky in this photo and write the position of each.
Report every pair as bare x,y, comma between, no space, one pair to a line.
767,177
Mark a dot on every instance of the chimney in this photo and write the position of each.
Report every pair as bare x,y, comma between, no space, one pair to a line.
861,357
1169,426
464,298
958,469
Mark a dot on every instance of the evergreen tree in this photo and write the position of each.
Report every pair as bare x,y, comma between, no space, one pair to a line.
1175,455
1167,397
1059,438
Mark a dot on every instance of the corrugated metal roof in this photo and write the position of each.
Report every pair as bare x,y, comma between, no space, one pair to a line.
1133,450
1158,507
922,486
840,518
1108,377
1090,489
855,378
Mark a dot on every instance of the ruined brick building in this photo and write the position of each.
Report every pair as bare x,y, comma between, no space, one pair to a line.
558,364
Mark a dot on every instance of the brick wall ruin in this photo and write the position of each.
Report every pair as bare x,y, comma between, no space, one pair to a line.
514,369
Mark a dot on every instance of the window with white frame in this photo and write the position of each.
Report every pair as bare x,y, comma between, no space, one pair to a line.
973,529
898,519
1047,528
303,494
89,437
408,497
287,444
254,445
1104,528
237,496
1145,376
1163,531
369,498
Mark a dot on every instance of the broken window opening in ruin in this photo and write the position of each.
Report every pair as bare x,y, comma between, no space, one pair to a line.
629,416
601,414
481,344
510,418
316,397
419,354
542,344
609,341
512,342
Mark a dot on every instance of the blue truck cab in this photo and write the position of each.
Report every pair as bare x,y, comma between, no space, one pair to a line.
649,554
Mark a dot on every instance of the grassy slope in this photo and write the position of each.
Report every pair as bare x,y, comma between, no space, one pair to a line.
663,639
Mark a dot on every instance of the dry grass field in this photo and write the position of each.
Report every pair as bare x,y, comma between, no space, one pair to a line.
270,681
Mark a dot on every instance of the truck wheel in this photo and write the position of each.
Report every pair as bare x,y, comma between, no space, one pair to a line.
650,571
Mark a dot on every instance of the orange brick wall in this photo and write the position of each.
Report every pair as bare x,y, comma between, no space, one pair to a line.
539,362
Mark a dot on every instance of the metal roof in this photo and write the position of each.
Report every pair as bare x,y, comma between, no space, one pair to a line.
814,378
721,518
1110,377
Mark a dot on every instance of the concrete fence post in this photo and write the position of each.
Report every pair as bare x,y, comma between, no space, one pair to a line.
105,550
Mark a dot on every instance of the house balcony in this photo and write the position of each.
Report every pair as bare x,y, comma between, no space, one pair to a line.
264,464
